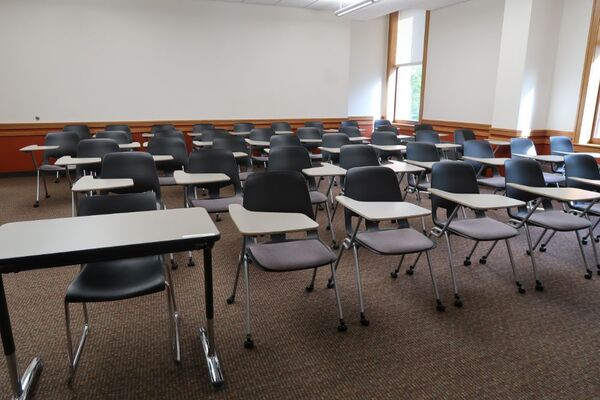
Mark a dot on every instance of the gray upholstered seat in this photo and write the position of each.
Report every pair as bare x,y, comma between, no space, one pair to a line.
553,179
482,229
166,181
424,186
317,197
497,182
244,175
395,241
291,255
559,221
217,205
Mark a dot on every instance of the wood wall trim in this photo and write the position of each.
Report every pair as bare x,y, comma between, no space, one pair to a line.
391,57
424,64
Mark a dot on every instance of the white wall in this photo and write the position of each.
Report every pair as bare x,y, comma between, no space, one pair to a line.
570,58
462,61
368,55
97,60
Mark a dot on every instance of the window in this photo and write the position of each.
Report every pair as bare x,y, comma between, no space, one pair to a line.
407,104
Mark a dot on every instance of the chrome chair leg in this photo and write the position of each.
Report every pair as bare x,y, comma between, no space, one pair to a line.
74,355
484,258
332,230
595,250
231,299
174,323
438,302
248,343
342,326
520,287
363,321
330,281
311,285
540,239
411,268
588,271
191,262
467,261
45,184
538,284
457,301
394,273
547,242
37,189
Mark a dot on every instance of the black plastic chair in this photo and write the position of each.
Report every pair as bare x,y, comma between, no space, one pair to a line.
461,136
243,127
380,184
199,128
173,147
118,279
525,146
559,145
261,135
83,131
314,124
381,122
284,141
120,137
170,134
208,135
67,146
351,132
529,172
421,151
387,128
582,166
459,177
334,141
360,155
386,138
122,128
423,127
236,144
162,127
312,133
281,127
427,136
284,192
483,149
94,148
348,123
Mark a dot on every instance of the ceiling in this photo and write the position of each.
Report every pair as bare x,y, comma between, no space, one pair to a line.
382,7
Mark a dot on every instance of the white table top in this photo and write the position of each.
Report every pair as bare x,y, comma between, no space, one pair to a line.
132,145
240,133
447,146
311,140
543,158
402,167
558,193
592,182
326,169
194,134
565,153
257,143
423,164
381,211
160,157
333,150
331,131
359,138
389,147
184,178
496,142
252,223
404,136
68,160
88,183
147,134
240,154
36,147
201,143
284,132
99,234
494,162
478,201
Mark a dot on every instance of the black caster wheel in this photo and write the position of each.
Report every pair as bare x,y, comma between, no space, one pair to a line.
584,241
364,322
538,286
174,265
329,284
528,252
218,219
598,271
342,327
335,246
231,300
47,196
321,208
482,260
588,275
597,239
191,262
36,204
439,306
56,181
410,270
328,228
394,274
248,343
542,249
467,262
521,290
310,288
458,303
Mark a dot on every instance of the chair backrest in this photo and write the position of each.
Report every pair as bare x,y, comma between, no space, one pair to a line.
120,137
171,134
350,131
387,128
83,131
384,138
95,148
136,165
291,159
427,136
360,155
261,134
462,135
423,127
278,191
527,172
169,146
216,161
453,177
208,135
115,127
231,143
581,166
243,127
309,133
281,126
479,149
381,122
344,124
335,140
560,143
314,124
422,151
162,127
198,128
522,146
284,141
67,145
116,204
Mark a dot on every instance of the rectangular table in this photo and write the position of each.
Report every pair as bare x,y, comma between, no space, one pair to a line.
130,146
88,183
389,147
552,159
566,153
103,238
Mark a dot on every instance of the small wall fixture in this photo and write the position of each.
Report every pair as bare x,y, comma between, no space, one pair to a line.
354,7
